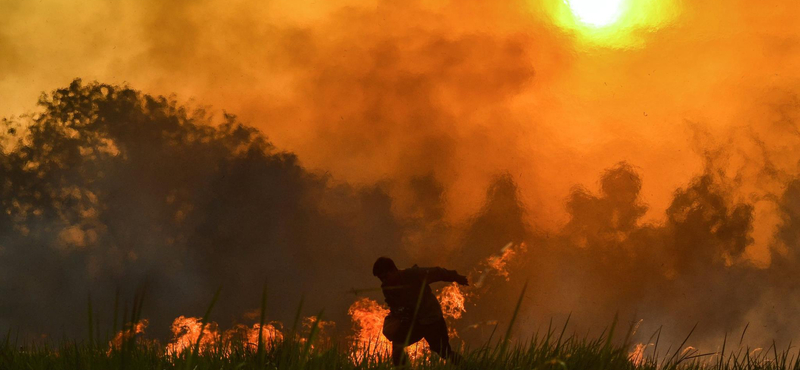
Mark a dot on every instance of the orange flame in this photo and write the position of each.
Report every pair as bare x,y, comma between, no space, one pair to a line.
368,341
452,301
367,316
270,335
322,328
129,332
186,331
500,262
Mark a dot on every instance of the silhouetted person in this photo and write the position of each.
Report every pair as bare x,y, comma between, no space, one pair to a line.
401,288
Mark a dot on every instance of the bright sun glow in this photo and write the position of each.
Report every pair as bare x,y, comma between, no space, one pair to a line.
596,13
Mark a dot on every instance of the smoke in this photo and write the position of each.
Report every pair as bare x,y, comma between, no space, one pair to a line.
435,132
109,189
459,90
688,270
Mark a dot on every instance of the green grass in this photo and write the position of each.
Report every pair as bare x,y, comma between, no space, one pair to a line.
550,350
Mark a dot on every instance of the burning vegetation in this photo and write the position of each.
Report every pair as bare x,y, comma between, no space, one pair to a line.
366,344
367,316
132,333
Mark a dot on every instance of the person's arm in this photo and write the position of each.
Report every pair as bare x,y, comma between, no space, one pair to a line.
436,274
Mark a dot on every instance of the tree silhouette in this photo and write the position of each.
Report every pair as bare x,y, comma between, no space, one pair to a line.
105,188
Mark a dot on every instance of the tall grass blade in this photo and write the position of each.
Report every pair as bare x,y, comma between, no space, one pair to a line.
507,337
743,333
116,309
204,322
312,334
678,351
297,315
91,321
416,311
262,319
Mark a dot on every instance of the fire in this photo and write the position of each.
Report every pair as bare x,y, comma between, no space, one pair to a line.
322,328
452,301
130,331
368,315
636,356
270,335
322,325
186,331
368,341
500,262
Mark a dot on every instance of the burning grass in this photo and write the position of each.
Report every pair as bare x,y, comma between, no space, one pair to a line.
547,351
199,343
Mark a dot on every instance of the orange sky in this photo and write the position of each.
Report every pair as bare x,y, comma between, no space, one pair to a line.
465,90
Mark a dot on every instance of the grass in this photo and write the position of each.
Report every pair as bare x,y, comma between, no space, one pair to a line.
549,350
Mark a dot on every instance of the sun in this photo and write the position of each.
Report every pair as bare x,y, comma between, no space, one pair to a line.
596,13
610,23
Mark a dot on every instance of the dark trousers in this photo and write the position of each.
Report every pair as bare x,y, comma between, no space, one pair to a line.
434,333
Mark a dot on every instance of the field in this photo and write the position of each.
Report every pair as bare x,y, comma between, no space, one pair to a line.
307,349
545,352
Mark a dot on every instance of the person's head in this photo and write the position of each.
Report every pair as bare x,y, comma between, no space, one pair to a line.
382,267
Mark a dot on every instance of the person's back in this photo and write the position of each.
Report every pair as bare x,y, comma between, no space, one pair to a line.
402,289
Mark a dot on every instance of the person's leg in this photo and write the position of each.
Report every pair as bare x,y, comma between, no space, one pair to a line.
438,339
399,356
